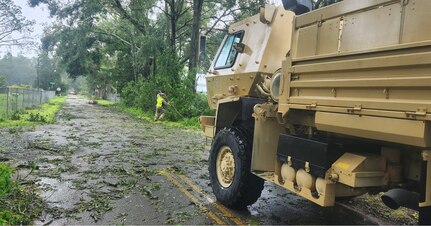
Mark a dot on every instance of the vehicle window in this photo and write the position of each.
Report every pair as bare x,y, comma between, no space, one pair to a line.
228,54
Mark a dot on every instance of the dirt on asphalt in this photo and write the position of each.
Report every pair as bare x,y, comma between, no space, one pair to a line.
96,165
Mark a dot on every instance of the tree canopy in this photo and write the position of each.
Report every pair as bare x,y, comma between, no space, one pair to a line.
139,47
14,27
323,3
18,70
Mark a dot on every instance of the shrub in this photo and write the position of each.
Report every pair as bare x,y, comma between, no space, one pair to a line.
16,116
178,86
19,205
5,179
185,103
36,117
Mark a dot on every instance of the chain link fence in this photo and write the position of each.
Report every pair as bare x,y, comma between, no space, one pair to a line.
16,99
113,97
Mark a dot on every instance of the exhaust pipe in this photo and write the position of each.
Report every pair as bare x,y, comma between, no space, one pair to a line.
397,197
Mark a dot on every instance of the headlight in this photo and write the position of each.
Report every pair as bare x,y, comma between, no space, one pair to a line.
275,86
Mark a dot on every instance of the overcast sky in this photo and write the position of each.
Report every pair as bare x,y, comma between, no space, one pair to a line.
40,15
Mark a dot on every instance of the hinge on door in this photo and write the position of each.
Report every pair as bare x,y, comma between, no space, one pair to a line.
405,2
426,155
420,112
311,106
357,107
320,21
289,160
307,167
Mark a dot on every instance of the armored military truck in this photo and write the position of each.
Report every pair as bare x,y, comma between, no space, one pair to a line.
326,103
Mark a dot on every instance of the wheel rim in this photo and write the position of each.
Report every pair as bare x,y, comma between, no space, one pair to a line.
225,166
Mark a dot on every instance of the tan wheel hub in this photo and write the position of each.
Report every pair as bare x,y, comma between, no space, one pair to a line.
225,166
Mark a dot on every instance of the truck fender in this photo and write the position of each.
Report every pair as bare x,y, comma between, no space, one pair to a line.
236,111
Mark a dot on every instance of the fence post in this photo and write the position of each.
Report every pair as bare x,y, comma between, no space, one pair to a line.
7,101
23,98
16,101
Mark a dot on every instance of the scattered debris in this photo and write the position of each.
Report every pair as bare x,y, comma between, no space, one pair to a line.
95,165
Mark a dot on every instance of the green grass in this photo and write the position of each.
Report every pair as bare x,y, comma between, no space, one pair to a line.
19,86
191,123
12,104
3,105
105,102
19,204
15,102
5,179
44,113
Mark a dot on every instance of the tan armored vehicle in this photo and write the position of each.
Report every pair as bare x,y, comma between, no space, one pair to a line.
329,103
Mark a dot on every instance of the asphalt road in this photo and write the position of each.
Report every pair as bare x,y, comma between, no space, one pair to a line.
96,165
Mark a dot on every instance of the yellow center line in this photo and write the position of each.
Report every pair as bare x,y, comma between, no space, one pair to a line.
194,199
221,208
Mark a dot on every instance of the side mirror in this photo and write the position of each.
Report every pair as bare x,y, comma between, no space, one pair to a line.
202,48
298,6
239,47
267,13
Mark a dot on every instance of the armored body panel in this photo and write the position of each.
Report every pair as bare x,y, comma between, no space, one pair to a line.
331,103
370,58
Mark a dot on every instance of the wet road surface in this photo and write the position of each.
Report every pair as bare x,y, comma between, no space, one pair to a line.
96,165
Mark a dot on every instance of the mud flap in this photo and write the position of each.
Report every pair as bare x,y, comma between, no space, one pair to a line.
425,211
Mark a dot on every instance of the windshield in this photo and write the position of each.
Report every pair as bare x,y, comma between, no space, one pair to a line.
227,55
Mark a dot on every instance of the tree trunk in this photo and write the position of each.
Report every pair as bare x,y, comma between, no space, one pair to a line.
194,43
173,27
168,25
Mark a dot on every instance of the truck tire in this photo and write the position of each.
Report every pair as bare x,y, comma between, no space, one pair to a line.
229,167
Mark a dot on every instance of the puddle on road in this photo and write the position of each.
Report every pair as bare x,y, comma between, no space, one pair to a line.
279,206
59,193
104,171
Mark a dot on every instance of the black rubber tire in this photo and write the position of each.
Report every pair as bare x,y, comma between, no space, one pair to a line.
246,187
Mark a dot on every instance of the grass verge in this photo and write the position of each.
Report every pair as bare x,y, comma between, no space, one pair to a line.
19,204
44,113
105,102
189,123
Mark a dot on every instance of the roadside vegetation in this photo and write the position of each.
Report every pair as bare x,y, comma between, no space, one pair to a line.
44,113
19,202
189,122
185,103
105,103
2,104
